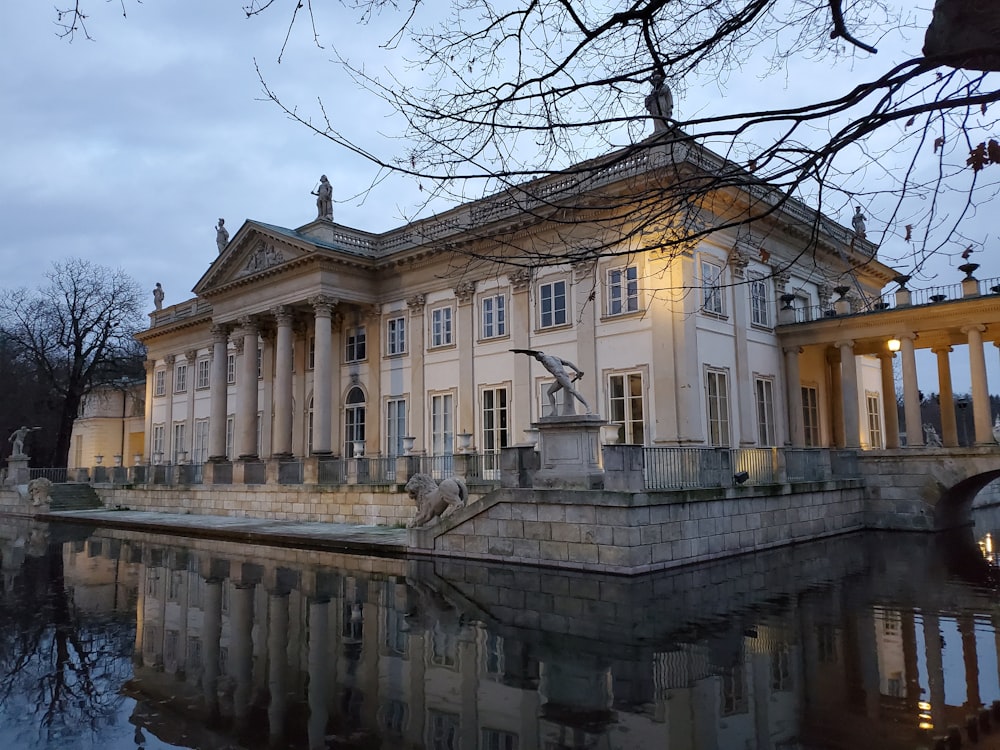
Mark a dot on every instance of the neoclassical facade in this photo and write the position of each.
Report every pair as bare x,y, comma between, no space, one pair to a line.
326,340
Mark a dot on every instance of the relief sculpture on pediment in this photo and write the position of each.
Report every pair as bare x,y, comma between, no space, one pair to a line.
263,258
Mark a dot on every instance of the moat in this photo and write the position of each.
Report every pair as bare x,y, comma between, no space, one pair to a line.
122,639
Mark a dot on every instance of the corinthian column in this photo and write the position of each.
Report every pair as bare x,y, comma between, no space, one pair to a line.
219,410
849,394
322,374
246,393
282,439
980,390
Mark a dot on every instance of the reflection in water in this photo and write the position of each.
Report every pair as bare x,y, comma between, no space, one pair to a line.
120,639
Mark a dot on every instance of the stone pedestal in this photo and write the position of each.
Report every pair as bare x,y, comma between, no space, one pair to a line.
17,469
570,447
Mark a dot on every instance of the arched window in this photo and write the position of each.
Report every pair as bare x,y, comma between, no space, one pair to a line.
354,419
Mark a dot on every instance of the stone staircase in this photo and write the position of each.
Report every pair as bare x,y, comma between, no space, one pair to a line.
73,496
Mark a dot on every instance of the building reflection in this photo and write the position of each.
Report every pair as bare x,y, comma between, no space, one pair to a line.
845,643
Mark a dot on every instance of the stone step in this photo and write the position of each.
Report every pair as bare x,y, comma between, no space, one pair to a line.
72,496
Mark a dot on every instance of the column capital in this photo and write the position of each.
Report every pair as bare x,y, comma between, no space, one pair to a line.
170,359
323,304
191,355
149,365
943,349
973,327
520,279
464,292
792,349
849,343
220,333
906,336
284,315
248,324
416,303
781,278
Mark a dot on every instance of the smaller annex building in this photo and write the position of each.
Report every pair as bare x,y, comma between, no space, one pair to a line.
329,340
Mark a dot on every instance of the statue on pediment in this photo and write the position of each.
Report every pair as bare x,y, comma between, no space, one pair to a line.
221,235
324,199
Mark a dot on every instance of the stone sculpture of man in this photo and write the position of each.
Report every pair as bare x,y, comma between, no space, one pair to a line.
324,199
557,366
221,235
158,296
660,103
858,222
18,437
931,437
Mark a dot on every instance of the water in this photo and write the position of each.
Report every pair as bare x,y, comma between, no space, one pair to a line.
115,639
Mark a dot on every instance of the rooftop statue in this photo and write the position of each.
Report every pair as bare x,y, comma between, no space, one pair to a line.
660,103
324,199
221,235
858,222
158,296
557,366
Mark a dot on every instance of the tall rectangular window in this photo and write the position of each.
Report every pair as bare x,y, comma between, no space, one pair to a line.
260,363
764,395
160,383
442,424
494,318
623,290
874,420
355,349
810,415
230,368
625,407
494,424
180,446
734,691
230,433
717,393
498,739
711,288
158,434
552,304
395,338
200,453
204,375
760,314
180,378
441,326
311,354
395,426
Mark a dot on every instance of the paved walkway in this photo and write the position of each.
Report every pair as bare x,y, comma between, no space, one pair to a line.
374,540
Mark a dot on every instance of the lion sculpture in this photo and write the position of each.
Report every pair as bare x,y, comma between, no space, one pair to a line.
434,500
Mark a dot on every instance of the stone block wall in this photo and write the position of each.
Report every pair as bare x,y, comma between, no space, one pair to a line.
622,532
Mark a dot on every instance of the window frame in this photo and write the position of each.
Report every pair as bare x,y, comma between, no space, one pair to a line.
355,344
720,433
231,368
622,292
712,300
559,315
442,326
760,306
159,382
763,390
203,374
395,425
876,437
442,423
810,416
180,377
493,322
395,336
620,408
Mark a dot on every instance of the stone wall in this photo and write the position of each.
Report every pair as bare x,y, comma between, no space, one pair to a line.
345,504
622,532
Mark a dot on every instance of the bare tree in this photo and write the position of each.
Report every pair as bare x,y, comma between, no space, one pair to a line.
77,331
513,96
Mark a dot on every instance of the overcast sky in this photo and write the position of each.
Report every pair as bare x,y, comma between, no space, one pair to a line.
127,149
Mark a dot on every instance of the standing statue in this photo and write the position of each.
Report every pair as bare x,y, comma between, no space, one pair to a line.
557,366
324,199
158,296
858,222
221,235
18,437
931,437
660,102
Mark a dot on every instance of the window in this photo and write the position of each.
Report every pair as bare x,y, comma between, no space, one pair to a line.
354,346
442,730
311,364
160,383
781,667
260,433
395,342
230,431
260,363
158,434
623,290
552,304
764,394
180,378
494,401
625,407
810,415
204,374
180,430
874,420
441,326
200,452
717,392
498,739
759,310
711,289
354,419
442,426
734,691
230,368
494,320
395,426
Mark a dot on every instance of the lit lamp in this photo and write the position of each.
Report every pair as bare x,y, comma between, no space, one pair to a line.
894,345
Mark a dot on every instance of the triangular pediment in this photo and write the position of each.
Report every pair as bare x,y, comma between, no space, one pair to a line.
255,250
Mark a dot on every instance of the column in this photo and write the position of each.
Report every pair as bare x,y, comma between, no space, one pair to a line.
320,666
150,367
687,369
935,669
211,633
415,347
241,649
911,393
835,400
793,397
967,630
949,427
169,451
587,308
281,445
743,386
192,374
322,373
465,335
980,390
520,325
277,673
889,400
246,393
219,388
849,394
